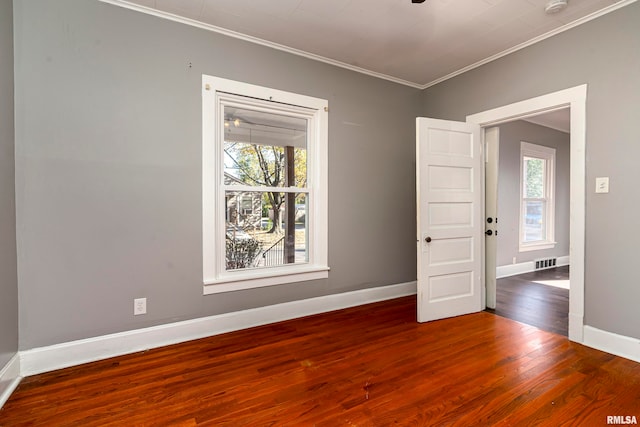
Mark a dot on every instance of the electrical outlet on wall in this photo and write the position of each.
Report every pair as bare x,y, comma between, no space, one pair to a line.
139,306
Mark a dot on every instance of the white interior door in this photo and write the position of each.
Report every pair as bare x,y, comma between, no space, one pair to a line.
450,222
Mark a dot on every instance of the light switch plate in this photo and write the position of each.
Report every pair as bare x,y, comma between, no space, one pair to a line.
602,184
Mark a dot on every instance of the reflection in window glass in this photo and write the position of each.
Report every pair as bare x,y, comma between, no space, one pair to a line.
259,147
534,227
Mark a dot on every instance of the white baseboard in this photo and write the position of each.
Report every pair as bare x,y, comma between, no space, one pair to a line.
514,269
620,345
9,378
525,267
44,359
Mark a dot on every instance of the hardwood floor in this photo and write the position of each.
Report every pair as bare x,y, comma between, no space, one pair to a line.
371,365
546,307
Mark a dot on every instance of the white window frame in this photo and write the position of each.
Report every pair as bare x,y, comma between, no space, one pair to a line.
547,154
215,93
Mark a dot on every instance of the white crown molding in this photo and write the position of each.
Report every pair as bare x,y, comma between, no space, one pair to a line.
9,378
256,40
533,41
44,359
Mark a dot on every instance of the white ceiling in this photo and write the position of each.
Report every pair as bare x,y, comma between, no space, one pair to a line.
558,120
414,44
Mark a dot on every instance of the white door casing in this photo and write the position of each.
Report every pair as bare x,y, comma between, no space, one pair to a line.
491,157
575,98
450,227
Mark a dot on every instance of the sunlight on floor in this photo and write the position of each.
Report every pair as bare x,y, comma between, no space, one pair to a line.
535,344
564,284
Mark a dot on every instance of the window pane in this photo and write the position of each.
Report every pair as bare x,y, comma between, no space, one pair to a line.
264,149
270,234
533,178
534,223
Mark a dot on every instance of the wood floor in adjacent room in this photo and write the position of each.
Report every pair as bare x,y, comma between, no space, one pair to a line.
526,298
371,365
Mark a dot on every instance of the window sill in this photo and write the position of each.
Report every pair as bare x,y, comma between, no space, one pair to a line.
246,280
537,246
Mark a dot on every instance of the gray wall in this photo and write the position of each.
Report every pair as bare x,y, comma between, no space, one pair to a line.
605,54
8,278
511,134
108,169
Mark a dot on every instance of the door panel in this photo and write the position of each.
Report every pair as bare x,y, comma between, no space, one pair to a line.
449,218
450,178
450,215
450,251
450,286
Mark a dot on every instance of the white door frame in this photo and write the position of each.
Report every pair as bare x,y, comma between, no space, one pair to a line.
491,138
575,98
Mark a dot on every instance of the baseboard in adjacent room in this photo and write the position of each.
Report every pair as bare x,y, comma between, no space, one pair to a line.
44,359
9,378
525,267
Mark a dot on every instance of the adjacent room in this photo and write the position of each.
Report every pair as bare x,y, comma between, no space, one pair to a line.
221,212
533,221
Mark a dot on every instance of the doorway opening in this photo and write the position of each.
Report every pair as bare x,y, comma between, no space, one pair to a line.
575,100
529,170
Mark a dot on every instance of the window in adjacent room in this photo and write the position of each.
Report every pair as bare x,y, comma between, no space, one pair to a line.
537,207
264,186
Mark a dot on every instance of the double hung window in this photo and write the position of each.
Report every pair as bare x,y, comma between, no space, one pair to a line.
264,186
537,207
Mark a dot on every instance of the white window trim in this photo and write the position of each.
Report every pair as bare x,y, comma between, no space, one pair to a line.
549,155
216,278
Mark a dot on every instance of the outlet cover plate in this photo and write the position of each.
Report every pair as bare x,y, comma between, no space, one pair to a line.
139,306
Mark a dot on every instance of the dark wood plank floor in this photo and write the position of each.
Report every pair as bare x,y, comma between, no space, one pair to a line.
546,307
371,365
